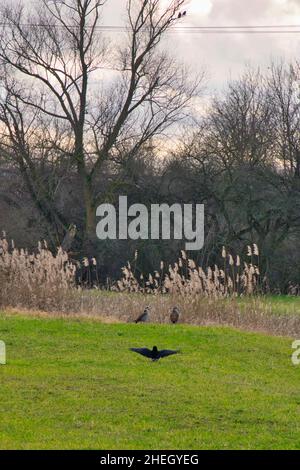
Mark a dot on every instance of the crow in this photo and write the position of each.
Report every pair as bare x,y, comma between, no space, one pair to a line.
181,14
144,316
154,354
174,317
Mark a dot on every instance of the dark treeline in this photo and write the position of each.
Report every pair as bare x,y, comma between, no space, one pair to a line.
63,153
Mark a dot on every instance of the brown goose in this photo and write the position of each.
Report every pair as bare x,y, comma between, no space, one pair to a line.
175,314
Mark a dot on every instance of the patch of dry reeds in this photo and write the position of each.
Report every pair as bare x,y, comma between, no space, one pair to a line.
185,278
37,280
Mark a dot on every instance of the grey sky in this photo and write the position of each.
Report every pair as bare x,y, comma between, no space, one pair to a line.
226,55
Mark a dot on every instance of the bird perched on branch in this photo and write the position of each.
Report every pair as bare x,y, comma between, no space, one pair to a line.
144,317
175,314
181,14
154,354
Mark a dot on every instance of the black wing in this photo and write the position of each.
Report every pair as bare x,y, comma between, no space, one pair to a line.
143,351
167,352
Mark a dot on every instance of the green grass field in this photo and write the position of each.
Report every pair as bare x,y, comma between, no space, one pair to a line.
74,385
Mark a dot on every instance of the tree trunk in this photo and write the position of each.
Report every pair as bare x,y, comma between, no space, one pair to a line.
89,236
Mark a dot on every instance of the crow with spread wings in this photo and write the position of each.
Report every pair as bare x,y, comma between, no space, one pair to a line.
154,354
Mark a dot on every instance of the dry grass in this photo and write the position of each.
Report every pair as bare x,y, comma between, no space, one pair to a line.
252,315
44,284
124,308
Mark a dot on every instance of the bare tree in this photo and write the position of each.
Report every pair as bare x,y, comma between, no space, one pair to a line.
284,93
233,164
240,124
54,115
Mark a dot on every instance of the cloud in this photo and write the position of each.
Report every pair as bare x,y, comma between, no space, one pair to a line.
225,55
197,8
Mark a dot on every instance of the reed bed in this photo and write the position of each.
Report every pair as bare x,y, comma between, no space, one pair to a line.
226,296
233,279
37,280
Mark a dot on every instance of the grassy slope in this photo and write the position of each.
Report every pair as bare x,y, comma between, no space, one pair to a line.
71,384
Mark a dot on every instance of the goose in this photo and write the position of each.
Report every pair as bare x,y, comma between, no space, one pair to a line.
175,314
144,316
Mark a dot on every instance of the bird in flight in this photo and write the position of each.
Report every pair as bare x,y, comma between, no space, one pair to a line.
144,316
154,354
175,314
